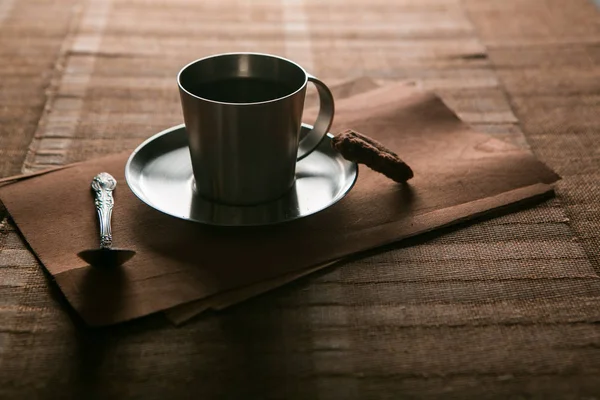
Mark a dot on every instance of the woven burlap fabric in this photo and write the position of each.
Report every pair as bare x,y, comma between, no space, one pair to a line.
505,308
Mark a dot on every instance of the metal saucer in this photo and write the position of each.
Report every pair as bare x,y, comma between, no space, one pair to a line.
159,172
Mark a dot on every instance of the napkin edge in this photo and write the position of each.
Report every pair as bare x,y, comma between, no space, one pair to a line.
527,196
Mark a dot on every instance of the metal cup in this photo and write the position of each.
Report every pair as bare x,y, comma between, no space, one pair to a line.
245,152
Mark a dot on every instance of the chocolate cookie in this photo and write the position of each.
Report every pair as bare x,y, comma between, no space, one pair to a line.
362,149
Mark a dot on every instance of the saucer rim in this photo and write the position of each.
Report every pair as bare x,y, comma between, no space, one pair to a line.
144,199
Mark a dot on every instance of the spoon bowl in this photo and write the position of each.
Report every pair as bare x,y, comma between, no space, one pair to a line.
104,257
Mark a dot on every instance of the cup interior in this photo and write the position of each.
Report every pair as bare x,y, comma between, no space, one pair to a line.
242,78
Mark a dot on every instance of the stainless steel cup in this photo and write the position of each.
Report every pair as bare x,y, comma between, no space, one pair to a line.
246,152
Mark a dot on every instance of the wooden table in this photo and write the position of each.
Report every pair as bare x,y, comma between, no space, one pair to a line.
506,307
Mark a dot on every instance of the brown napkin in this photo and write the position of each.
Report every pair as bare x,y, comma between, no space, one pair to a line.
458,174
185,312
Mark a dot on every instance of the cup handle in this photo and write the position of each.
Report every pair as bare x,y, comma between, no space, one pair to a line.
324,120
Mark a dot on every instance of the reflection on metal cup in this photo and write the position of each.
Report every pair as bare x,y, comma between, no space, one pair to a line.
243,114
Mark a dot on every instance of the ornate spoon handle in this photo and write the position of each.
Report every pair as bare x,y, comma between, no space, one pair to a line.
104,184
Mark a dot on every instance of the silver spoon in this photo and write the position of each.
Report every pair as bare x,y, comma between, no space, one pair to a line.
103,185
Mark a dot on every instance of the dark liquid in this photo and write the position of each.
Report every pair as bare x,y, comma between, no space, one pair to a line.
240,90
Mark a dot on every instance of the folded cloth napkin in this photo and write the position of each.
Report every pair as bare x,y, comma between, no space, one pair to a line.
459,174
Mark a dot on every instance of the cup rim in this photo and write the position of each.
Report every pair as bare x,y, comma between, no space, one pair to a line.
240,53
